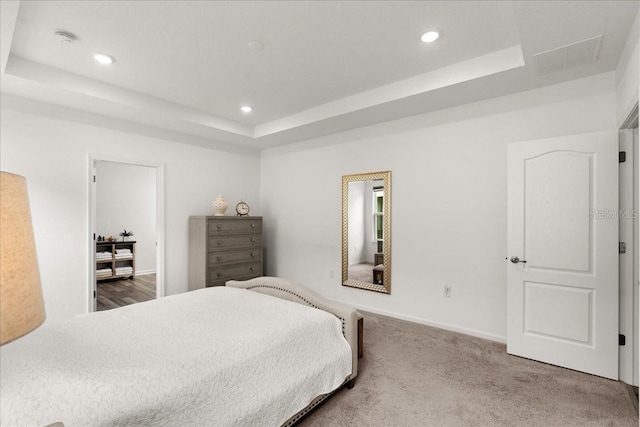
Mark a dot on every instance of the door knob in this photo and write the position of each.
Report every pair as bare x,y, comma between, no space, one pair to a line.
515,260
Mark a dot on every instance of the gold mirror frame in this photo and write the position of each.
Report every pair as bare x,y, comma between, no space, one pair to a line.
386,231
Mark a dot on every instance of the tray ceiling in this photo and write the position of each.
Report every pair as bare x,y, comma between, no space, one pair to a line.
318,67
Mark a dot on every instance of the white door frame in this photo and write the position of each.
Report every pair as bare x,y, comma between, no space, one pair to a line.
92,288
630,286
626,260
636,260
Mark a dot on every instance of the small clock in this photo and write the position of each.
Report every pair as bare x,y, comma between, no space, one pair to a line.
242,208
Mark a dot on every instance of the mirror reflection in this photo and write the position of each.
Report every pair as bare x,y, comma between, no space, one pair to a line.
366,244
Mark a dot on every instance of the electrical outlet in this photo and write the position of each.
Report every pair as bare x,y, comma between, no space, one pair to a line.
447,290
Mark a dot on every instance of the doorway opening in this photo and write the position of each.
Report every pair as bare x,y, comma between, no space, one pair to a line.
126,236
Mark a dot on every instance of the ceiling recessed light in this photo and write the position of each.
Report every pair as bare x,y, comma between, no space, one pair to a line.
104,59
430,36
246,109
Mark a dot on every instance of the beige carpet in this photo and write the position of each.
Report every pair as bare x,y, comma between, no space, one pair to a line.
415,375
362,272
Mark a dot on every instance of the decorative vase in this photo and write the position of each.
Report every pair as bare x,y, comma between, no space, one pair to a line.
219,206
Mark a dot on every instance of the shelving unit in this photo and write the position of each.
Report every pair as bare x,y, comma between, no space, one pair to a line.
121,265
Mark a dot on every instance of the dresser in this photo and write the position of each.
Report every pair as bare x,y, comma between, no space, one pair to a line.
224,248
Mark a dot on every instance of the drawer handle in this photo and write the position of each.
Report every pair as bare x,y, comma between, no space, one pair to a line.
253,269
253,255
219,242
219,258
253,225
219,274
219,226
253,240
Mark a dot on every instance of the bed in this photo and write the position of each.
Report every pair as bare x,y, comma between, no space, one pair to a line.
222,356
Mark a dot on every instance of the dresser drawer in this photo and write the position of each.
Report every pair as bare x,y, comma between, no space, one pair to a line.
244,271
224,257
236,241
222,282
234,226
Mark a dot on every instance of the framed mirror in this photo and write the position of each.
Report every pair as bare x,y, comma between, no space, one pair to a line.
366,231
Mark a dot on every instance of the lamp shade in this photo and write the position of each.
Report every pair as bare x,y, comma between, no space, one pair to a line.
21,302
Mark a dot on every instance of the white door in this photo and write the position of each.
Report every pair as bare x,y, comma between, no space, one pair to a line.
562,268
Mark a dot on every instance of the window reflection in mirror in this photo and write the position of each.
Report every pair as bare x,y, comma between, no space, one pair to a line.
366,231
378,212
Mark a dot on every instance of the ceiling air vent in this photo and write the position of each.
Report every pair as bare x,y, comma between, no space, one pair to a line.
582,52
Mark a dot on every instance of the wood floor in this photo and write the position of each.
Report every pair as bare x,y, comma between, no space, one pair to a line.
118,293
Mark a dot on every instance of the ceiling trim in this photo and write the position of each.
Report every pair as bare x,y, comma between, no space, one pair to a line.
59,112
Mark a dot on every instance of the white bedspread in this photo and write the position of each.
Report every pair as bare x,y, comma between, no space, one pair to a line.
213,357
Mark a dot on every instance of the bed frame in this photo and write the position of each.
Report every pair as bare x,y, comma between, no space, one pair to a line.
292,291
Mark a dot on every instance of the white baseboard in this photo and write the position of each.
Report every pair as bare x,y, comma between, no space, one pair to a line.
144,272
445,326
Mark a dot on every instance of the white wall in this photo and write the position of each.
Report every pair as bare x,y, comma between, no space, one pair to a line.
126,199
448,212
53,155
628,74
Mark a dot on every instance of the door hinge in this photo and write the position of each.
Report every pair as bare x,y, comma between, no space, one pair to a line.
621,339
622,248
622,156
94,178
94,294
